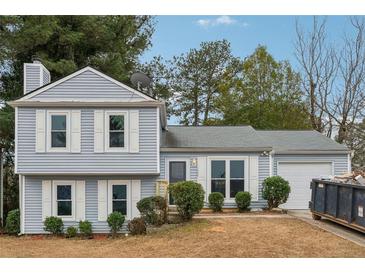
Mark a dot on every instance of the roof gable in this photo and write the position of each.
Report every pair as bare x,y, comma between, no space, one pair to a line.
87,84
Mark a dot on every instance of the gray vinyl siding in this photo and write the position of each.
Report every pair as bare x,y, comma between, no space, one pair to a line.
46,77
87,85
340,161
264,169
87,161
33,201
32,77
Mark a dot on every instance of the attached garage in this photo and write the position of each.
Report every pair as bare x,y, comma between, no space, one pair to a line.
299,175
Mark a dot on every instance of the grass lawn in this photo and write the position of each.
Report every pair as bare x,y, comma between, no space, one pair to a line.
229,237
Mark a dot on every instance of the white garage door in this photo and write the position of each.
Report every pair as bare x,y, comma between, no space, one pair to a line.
299,176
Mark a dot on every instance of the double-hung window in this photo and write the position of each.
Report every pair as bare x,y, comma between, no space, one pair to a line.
116,135
64,199
227,176
58,131
119,196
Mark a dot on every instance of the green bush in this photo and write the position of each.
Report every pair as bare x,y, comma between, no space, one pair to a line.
276,191
153,210
188,197
53,225
216,201
86,229
115,222
243,200
71,232
12,224
137,226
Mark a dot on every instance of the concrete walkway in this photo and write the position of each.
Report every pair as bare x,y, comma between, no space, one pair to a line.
337,229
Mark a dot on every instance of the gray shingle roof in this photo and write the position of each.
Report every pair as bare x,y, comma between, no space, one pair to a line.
300,140
246,138
240,137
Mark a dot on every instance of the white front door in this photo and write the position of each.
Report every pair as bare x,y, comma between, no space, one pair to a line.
299,176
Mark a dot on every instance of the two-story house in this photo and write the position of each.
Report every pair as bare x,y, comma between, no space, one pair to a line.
87,145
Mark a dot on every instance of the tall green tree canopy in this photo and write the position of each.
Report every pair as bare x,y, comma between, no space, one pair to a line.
112,44
264,93
195,79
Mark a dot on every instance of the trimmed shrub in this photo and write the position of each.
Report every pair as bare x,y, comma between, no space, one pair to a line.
54,225
12,224
71,232
153,210
243,200
137,226
276,191
188,197
115,222
86,229
216,201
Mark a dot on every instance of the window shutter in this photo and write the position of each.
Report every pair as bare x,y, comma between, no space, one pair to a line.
75,131
98,131
80,200
134,131
202,174
46,199
40,130
136,196
102,200
254,177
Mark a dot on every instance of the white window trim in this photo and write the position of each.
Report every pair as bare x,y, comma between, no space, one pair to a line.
108,113
228,175
56,183
111,183
49,127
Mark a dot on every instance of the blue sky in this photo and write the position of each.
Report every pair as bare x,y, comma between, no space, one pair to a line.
177,34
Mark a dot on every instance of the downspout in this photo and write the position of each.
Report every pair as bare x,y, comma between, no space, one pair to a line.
271,163
1,187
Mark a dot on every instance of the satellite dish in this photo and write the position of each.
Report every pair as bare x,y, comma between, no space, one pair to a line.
140,80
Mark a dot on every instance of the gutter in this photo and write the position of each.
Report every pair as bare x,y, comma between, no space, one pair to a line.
84,104
306,152
214,149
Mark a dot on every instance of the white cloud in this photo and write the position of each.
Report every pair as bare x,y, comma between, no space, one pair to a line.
224,20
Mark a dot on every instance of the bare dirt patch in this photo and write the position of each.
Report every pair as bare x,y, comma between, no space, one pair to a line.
229,237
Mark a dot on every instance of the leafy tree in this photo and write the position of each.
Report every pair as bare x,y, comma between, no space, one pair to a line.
264,93
356,142
64,44
195,79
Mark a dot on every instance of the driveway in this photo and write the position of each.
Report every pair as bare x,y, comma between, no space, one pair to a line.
337,229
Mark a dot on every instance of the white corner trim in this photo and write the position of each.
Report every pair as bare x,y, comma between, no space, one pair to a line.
16,141
158,141
270,163
79,72
24,78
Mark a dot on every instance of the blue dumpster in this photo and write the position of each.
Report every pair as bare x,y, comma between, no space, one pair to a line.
343,203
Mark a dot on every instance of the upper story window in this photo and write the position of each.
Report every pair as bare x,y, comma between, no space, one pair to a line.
58,131
116,131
